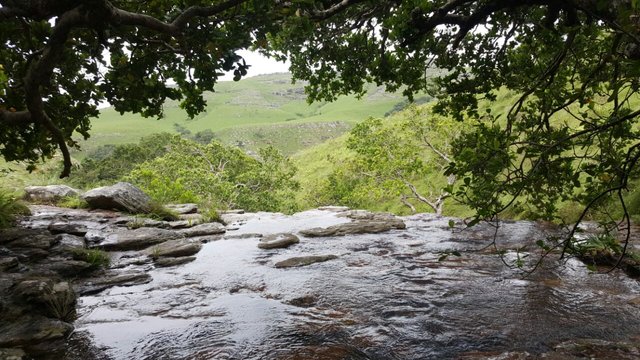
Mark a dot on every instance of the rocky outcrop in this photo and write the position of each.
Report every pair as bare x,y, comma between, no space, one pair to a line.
45,263
356,227
275,241
136,239
364,222
368,216
49,193
121,196
304,260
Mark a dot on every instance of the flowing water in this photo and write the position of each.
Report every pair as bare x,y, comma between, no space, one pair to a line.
386,296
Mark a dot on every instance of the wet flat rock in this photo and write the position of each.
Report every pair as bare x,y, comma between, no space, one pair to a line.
352,228
276,241
175,248
203,230
136,239
364,222
111,279
304,260
173,261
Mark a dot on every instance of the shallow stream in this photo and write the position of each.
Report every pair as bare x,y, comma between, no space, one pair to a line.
386,296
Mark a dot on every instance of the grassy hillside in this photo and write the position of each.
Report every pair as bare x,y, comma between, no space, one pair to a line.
246,111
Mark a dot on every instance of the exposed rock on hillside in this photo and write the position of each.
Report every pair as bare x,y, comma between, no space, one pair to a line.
121,196
49,193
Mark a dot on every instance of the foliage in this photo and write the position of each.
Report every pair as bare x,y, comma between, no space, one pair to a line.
10,209
598,245
72,202
111,162
219,175
210,214
159,212
392,159
56,61
96,257
577,59
60,304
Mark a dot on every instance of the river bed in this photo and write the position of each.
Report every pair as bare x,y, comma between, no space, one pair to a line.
385,296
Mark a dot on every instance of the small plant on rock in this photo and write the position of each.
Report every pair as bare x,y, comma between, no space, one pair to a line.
96,257
210,214
61,302
72,202
159,212
10,209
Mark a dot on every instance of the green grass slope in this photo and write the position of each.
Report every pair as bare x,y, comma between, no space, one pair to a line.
249,107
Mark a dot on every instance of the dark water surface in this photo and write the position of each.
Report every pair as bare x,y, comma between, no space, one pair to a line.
386,297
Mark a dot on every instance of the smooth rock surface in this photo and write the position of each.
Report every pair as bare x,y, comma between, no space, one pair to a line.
136,239
203,229
168,261
356,227
49,193
121,196
275,241
304,260
111,279
175,248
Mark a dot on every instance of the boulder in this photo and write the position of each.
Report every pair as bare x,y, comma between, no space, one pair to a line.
49,193
53,299
121,196
275,241
32,329
203,229
136,239
304,260
175,248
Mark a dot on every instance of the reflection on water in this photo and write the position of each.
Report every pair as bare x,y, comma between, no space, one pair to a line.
385,297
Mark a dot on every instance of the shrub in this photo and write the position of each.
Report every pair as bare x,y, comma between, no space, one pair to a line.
10,209
72,202
160,212
96,257
219,175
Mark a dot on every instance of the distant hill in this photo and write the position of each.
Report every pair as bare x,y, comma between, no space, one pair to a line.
253,112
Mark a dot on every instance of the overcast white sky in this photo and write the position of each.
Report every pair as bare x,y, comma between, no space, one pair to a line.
259,65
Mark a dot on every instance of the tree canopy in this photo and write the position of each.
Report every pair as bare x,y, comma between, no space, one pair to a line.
572,66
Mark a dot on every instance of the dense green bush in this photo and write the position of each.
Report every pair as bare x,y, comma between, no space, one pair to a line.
221,176
10,209
109,163
397,161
